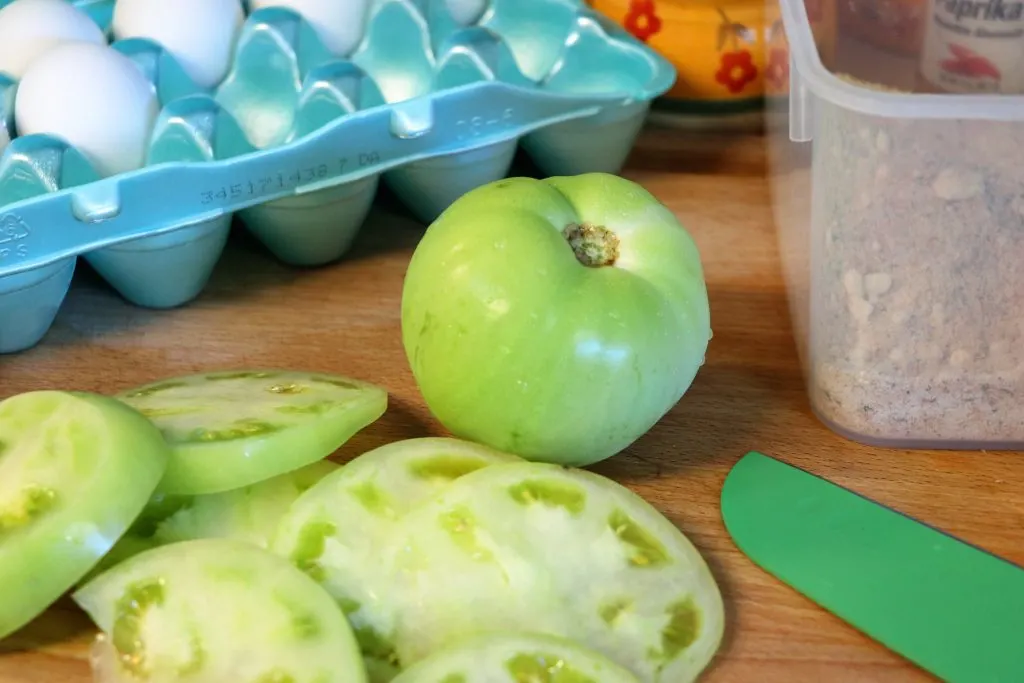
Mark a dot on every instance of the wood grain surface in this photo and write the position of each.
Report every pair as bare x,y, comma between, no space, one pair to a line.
345,318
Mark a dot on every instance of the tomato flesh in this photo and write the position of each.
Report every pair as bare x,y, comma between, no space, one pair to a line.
247,514
338,529
514,658
75,471
216,610
537,547
233,429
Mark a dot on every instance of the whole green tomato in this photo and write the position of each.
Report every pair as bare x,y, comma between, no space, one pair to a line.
556,319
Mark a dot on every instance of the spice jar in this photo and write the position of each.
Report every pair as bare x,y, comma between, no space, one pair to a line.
894,25
973,47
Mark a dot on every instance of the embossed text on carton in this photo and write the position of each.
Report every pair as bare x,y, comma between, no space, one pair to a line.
13,233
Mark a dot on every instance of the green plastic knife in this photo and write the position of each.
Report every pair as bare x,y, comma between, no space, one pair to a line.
951,608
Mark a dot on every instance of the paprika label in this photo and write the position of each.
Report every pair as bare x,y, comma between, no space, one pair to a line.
974,46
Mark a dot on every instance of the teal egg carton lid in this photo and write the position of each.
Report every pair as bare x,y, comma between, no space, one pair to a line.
424,104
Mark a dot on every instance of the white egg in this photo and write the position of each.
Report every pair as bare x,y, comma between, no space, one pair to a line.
30,28
95,99
338,23
467,11
201,34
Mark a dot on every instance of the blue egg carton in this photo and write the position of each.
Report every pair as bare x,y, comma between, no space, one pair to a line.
429,107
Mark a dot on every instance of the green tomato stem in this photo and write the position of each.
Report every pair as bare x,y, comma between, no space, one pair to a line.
594,245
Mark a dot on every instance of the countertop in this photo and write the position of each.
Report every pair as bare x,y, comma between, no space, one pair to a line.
345,318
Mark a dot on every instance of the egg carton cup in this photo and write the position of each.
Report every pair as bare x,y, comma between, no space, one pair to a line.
296,141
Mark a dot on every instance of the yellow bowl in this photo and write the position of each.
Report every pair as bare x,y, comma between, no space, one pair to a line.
729,54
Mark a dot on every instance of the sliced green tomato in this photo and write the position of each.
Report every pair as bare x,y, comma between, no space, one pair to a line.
337,530
247,514
516,658
232,429
75,471
251,513
217,610
530,546
139,536
127,546
106,663
160,507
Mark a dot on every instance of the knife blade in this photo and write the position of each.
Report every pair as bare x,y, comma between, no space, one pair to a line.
953,609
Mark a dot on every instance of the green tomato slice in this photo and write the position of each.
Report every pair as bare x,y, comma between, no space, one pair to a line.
140,534
75,471
516,658
128,546
538,547
338,529
249,514
232,429
215,610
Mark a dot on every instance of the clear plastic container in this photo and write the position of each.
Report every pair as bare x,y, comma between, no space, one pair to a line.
900,219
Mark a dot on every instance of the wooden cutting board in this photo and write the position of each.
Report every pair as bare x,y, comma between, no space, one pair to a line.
345,318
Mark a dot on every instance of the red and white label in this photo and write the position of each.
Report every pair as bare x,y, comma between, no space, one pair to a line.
975,46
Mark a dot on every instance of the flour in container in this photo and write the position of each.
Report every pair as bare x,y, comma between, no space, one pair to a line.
917,288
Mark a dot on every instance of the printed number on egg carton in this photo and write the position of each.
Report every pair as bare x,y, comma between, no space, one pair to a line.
432,107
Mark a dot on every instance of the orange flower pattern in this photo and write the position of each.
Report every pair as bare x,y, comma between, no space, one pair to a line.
744,60
736,70
777,70
642,20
